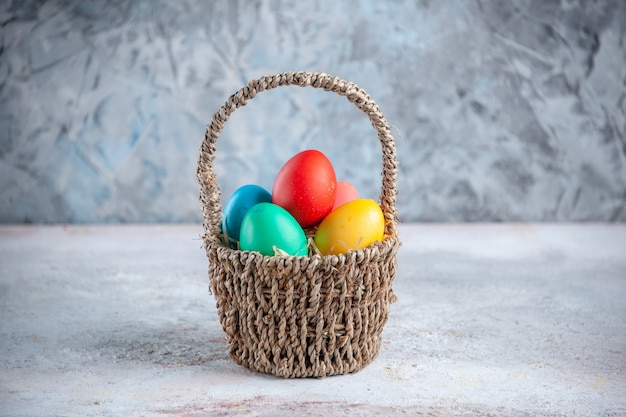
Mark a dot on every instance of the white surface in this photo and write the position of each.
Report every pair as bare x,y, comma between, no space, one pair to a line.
515,320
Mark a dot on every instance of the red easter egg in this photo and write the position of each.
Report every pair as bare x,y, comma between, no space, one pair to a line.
306,186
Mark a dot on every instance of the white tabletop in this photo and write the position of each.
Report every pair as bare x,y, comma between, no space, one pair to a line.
512,320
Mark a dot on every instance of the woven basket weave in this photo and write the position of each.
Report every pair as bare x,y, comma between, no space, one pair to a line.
311,316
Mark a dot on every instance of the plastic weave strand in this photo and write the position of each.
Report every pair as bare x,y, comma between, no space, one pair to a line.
311,316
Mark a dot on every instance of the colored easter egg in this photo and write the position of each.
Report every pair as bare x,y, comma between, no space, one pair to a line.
238,205
353,225
306,187
267,228
345,192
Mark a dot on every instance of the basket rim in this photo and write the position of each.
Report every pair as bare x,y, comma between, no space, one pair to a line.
216,244
209,189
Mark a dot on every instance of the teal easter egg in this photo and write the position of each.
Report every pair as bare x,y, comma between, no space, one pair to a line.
238,205
267,227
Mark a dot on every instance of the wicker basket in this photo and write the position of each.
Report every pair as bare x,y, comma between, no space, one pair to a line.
311,316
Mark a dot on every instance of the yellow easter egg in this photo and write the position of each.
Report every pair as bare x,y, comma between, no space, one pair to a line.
353,225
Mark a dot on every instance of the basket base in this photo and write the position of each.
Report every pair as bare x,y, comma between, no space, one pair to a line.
302,367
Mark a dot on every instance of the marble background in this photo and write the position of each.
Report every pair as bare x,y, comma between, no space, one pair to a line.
502,110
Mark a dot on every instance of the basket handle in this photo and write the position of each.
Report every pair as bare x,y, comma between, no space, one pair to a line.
209,190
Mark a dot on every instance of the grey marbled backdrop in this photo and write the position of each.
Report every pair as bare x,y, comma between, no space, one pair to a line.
503,110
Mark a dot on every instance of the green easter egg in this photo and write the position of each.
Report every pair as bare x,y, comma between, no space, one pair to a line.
267,227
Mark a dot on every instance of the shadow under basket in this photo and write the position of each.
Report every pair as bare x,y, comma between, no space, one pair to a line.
307,316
